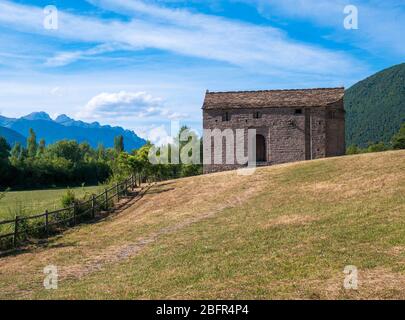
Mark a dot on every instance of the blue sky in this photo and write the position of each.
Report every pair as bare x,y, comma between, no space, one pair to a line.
141,64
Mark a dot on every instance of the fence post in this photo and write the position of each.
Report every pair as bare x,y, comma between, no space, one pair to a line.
74,213
47,223
15,239
93,206
106,200
118,191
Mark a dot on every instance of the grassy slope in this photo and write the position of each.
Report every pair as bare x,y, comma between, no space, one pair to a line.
286,232
37,201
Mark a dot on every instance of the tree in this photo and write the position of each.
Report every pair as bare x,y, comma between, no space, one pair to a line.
32,145
4,162
101,152
119,144
67,149
4,149
398,140
41,147
16,153
86,151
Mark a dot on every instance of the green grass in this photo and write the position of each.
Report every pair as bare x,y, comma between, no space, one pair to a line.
37,201
287,232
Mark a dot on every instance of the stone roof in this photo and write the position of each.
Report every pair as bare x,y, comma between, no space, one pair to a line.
318,97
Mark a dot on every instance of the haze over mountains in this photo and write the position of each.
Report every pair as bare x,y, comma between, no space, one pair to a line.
64,127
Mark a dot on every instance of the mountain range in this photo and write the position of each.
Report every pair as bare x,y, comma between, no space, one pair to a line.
64,127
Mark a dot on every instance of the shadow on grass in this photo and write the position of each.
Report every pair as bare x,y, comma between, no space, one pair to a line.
125,202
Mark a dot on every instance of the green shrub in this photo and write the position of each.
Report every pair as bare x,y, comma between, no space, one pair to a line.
353,149
68,199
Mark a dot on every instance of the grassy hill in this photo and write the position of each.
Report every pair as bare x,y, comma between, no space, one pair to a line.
376,107
288,231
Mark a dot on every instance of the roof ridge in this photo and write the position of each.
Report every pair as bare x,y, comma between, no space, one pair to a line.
273,90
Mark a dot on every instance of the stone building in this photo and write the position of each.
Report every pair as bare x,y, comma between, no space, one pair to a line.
291,125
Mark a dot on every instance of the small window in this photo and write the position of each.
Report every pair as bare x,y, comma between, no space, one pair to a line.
298,111
225,116
257,115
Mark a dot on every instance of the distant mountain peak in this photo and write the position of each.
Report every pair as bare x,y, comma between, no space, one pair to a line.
64,127
37,116
63,118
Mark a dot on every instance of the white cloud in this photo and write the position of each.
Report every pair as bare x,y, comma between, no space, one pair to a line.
67,57
381,23
124,105
262,48
158,135
56,91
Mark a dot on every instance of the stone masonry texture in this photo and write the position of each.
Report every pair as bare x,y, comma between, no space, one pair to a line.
296,125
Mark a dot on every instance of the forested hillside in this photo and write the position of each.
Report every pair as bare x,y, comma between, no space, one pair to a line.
376,107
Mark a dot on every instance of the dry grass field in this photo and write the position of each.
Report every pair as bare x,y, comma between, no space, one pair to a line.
286,232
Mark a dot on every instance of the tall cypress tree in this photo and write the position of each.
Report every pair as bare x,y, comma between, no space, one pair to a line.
32,145
16,152
41,148
119,144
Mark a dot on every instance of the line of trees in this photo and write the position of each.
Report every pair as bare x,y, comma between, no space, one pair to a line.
69,163
64,163
397,142
138,161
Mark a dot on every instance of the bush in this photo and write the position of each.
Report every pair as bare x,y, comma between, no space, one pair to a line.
398,140
68,199
353,149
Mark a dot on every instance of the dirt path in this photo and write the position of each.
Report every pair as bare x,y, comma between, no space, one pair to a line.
137,224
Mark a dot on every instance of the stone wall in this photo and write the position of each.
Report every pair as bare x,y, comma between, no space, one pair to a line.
290,133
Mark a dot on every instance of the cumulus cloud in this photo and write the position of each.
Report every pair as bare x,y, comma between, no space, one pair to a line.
123,105
158,135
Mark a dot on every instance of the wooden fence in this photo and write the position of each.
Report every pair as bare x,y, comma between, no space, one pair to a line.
21,229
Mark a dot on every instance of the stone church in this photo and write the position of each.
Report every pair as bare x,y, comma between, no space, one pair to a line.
291,125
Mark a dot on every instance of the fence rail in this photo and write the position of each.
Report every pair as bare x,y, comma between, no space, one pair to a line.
22,228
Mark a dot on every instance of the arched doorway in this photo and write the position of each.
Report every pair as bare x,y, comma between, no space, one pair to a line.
260,148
